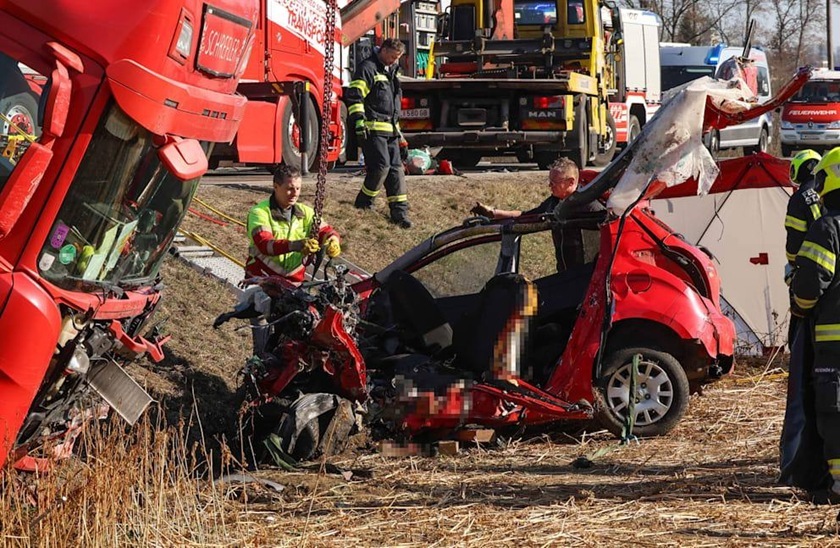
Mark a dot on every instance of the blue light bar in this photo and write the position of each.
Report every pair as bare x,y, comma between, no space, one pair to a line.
713,56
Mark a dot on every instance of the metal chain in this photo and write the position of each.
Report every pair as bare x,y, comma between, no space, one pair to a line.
326,116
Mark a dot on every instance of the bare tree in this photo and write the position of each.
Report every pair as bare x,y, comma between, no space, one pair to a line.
689,20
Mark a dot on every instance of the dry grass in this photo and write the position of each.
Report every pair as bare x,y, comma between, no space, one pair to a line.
710,483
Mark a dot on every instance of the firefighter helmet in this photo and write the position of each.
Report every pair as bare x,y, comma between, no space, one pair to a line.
827,172
802,164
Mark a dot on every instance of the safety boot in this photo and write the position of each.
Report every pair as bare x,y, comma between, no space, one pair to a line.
363,201
401,220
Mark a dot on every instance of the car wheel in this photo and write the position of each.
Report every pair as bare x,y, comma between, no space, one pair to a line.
316,424
763,142
661,397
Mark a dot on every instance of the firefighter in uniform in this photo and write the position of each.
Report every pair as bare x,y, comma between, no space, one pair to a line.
816,296
373,99
803,209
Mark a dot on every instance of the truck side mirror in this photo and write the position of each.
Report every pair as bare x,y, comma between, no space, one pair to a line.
55,102
183,157
21,185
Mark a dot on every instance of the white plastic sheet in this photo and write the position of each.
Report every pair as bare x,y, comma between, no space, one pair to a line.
670,147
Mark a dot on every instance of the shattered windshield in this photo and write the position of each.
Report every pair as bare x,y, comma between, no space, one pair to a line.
120,214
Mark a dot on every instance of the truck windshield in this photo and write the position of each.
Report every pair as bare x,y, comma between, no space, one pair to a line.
674,76
534,12
120,214
816,91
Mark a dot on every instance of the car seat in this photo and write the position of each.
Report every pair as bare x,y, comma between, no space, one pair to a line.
423,326
494,337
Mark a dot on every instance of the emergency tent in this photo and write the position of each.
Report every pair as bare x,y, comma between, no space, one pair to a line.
741,222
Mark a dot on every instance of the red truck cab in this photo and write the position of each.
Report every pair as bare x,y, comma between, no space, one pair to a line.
104,140
811,118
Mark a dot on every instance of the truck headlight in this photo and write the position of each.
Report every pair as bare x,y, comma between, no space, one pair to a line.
834,125
786,125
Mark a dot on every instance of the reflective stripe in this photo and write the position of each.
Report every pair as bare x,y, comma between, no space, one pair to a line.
815,211
827,332
834,468
360,123
368,192
804,304
380,126
362,86
795,224
358,108
819,255
790,256
397,198
379,78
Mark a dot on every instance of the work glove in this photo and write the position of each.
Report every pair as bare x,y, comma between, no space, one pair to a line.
361,132
483,210
332,247
307,246
789,271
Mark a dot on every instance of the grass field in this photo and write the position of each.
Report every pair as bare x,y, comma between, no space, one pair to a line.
711,482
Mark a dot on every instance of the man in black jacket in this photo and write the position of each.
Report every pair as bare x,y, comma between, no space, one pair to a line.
373,99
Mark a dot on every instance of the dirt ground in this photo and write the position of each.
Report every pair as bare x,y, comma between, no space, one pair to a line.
711,482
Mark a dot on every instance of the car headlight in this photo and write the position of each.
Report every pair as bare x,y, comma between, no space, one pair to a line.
786,125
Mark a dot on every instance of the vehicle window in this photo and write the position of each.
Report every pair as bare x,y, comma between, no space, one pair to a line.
538,12
575,14
819,92
20,92
673,76
120,214
461,272
537,257
763,81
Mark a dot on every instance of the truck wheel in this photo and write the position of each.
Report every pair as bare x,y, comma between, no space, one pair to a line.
787,151
21,109
604,158
661,398
545,158
342,117
763,142
291,136
634,128
462,158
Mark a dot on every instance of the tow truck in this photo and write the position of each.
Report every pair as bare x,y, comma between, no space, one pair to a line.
536,79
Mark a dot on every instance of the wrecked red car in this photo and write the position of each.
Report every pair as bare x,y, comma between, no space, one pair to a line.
471,328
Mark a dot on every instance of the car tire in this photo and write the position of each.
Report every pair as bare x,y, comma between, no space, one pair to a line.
316,424
291,152
662,390
604,158
763,142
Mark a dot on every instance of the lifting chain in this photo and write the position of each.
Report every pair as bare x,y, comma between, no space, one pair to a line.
326,116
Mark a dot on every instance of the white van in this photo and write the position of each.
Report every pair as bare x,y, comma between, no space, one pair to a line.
682,63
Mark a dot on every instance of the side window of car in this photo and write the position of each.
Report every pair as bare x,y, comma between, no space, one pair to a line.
536,255
763,81
461,272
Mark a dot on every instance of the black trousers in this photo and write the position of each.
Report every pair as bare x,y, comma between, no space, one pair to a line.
384,166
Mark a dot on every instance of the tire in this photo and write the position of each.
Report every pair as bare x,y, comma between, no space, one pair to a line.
545,158
291,139
316,424
22,109
662,386
462,158
604,158
581,155
787,151
634,128
763,142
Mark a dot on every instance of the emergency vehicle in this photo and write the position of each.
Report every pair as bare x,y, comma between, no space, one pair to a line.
811,119
105,137
284,80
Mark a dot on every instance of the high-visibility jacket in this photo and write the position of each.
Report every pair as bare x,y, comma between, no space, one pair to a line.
816,284
373,98
270,235
803,209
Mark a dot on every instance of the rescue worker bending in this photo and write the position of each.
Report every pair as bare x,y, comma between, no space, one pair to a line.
816,294
373,99
279,229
